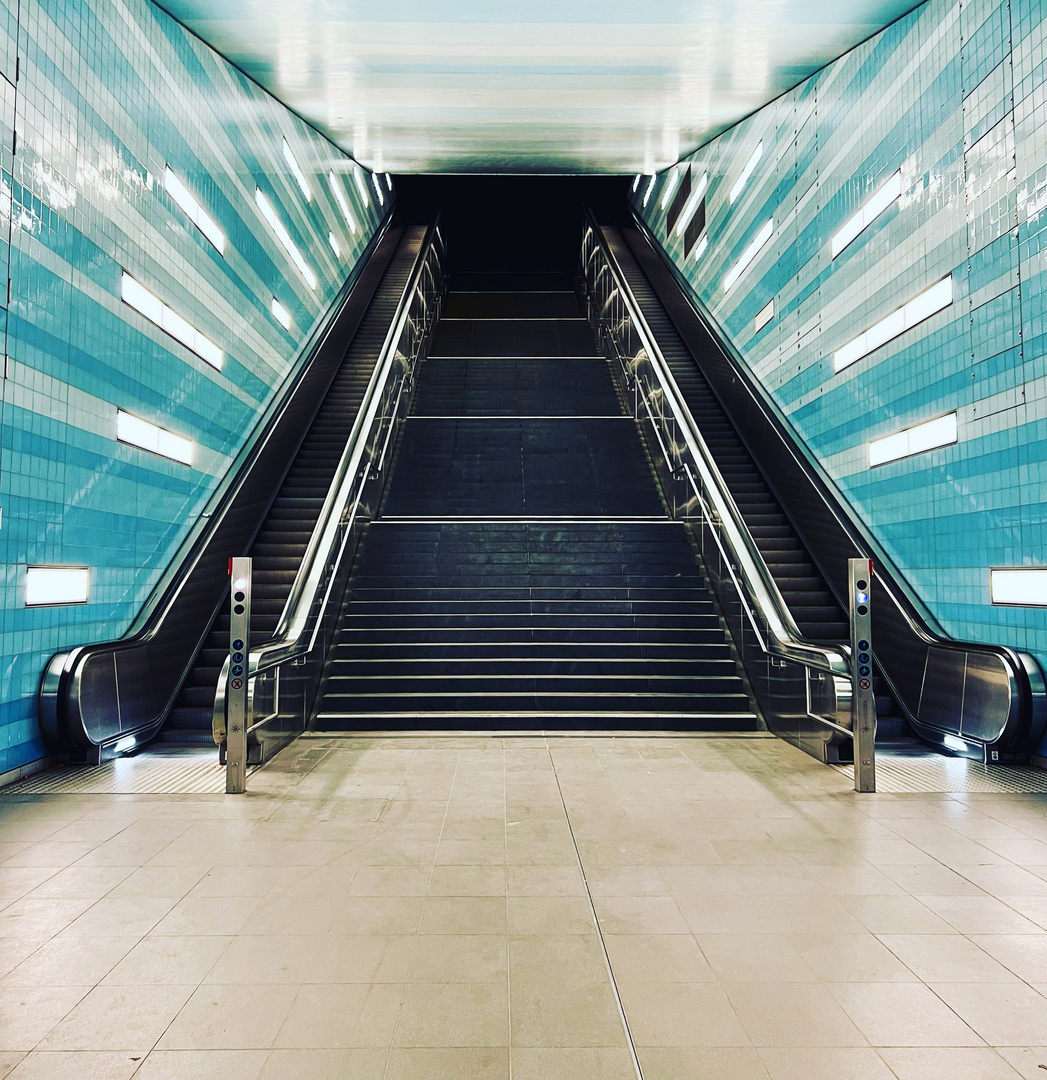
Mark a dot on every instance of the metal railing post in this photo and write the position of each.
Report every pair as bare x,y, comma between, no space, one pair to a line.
238,715
863,697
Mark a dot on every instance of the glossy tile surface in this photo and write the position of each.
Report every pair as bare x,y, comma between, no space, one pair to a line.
411,906
947,103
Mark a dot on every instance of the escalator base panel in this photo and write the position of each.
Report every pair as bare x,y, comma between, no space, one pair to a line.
914,772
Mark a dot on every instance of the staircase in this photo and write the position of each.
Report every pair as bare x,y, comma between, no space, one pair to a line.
522,572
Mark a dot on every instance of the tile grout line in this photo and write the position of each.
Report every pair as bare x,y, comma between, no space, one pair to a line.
596,922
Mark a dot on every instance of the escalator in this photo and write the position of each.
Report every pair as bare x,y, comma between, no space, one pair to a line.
817,612
280,543
522,571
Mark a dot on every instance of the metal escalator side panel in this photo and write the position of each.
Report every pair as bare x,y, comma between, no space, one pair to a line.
994,696
97,693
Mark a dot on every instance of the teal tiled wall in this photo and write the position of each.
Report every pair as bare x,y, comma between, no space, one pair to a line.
955,96
103,97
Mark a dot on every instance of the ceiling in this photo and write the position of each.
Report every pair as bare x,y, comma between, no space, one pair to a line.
546,86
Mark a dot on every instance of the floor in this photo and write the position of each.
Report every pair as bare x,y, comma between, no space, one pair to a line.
423,907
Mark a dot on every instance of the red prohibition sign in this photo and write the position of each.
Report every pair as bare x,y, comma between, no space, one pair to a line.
237,684
863,684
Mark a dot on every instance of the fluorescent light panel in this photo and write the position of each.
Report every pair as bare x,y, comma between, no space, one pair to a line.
157,440
699,251
915,440
343,203
1024,586
335,246
886,196
636,181
670,186
389,181
648,190
281,314
296,171
750,168
284,237
763,316
928,303
49,585
156,311
193,210
750,253
691,205
378,189
361,186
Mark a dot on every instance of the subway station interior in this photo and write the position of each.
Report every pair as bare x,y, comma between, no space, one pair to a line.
525,540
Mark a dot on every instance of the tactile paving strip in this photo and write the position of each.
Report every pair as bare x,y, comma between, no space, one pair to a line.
184,771
913,773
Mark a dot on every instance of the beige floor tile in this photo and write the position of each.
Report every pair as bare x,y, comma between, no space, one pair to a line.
452,1015
75,882
550,915
15,950
626,881
378,915
792,1014
809,914
201,916
860,957
241,1017
1025,1060
480,852
324,1064
168,961
657,958
907,1014
556,1011
826,1063
572,1063
681,851
946,958
681,1014
337,1016
981,915
201,1064
706,914
65,961
1024,954
552,880
459,1062
118,1018
640,915
468,880
743,958
463,915
78,1065
28,1013
121,916
446,958
701,1063
43,917
241,880
957,1063
895,915
1012,1014
160,881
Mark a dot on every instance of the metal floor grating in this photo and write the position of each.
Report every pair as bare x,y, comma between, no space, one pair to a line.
175,771
901,772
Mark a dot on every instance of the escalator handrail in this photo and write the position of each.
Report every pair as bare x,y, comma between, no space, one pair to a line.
60,679
784,637
291,638
1026,681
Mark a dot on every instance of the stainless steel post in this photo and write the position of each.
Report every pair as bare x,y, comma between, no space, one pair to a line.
863,699
237,712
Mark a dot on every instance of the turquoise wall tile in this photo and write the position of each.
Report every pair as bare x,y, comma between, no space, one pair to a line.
953,95
106,96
